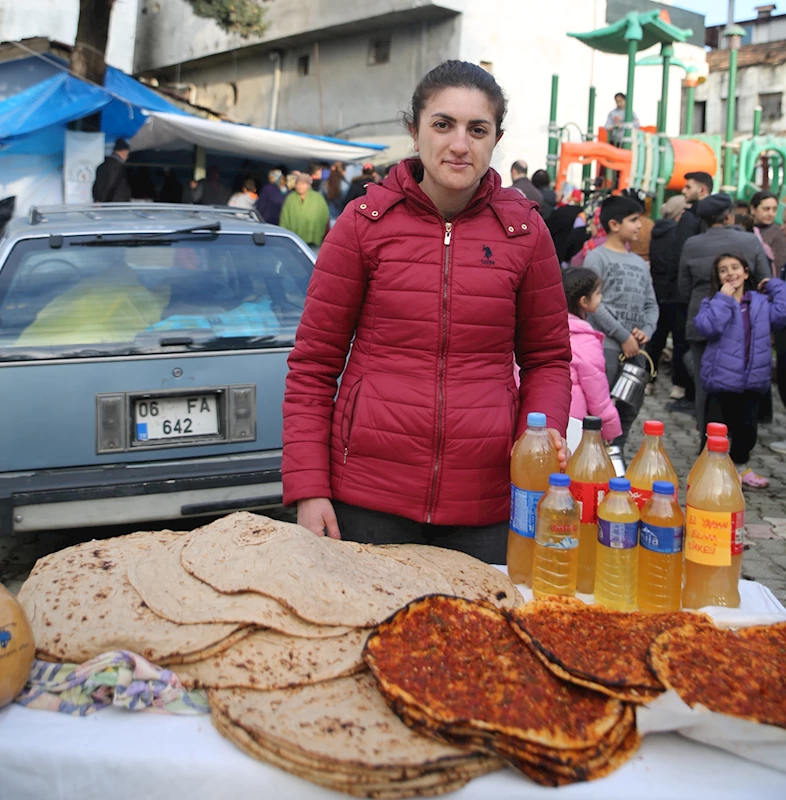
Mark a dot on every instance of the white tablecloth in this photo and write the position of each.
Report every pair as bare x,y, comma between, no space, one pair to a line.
123,755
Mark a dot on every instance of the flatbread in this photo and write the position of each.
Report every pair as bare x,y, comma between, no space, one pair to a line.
460,663
431,784
80,604
176,595
322,580
597,648
343,722
270,660
468,577
740,674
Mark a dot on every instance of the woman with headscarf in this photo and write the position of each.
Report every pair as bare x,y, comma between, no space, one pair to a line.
272,197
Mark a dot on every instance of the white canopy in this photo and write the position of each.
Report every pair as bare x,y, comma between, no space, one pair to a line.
169,131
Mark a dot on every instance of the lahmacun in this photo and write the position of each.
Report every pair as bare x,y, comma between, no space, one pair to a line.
598,648
742,674
460,663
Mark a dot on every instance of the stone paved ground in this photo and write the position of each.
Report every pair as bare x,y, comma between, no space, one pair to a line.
765,549
764,559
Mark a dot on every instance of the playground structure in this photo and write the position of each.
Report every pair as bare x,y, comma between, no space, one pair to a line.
647,159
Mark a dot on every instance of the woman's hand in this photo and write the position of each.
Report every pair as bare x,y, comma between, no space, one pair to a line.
563,454
762,284
317,514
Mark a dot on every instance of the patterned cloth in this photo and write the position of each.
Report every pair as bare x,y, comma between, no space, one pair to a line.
117,678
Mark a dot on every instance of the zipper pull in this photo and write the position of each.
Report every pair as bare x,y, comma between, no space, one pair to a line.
448,233
346,452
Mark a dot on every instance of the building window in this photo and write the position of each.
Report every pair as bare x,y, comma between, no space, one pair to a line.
700,117
378,51
303,65
487,65
771,106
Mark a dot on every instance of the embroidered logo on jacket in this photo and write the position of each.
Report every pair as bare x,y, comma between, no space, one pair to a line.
487,255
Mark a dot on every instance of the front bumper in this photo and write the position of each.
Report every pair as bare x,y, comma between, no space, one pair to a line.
131,493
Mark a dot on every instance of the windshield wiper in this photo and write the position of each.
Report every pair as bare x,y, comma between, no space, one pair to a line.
160,237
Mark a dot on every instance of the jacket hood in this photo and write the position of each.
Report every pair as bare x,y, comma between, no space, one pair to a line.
662,227
579,326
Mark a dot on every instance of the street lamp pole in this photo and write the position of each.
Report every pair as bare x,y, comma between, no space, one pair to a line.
733,34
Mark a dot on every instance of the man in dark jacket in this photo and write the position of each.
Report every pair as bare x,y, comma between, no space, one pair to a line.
357,188
665,272
111,184
518,174
542,182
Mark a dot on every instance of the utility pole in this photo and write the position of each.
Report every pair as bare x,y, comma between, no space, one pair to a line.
733,34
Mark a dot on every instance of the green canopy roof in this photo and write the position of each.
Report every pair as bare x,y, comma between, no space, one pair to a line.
646,27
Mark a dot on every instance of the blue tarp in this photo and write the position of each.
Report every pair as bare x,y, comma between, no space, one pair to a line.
64,98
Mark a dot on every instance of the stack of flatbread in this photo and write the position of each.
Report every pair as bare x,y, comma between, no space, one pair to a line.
263,613
601,649
456,670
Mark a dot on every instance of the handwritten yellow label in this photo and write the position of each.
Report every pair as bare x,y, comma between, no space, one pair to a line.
708,537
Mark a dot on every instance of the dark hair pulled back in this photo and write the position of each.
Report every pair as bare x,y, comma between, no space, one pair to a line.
455,74
579,282
760,197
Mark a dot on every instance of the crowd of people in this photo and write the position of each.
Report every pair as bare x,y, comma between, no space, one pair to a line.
709,276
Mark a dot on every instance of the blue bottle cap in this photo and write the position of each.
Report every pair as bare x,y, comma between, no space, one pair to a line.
663,487
619,485
558,479
536,420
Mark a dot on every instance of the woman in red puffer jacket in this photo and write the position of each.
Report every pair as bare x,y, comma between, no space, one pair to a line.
440,275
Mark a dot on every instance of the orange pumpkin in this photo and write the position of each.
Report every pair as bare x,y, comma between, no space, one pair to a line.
17,649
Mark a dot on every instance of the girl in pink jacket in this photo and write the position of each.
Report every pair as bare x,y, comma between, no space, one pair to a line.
590,393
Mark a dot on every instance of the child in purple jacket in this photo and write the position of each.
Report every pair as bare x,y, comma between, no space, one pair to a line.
736,369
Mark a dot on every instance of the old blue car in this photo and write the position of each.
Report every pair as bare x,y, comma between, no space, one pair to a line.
143,353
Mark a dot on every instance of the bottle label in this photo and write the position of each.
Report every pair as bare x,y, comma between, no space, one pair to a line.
618,535
523,511
559,537
662,539
713,537
640,496
589,496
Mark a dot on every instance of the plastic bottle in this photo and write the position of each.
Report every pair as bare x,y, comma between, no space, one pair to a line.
650,464
713,429
534,458
714,522
660,550
590,470
616,582
556,540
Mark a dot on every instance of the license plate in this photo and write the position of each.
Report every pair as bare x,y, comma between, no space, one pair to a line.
176,417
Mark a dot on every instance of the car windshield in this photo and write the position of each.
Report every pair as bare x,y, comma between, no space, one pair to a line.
99,297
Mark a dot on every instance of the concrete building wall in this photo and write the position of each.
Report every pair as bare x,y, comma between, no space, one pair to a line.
751,83
57,20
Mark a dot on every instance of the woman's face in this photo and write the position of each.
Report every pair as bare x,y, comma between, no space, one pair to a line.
731,271
764,213
456,137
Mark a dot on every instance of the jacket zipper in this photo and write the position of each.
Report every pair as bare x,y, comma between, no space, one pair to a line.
440,387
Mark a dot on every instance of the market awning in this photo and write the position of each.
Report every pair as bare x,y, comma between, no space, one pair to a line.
648,27
64,98
170,131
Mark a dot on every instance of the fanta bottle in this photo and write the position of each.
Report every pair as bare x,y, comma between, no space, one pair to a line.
713,429
714,523
650,464
660,550
534,458
556,540
590,470
616,584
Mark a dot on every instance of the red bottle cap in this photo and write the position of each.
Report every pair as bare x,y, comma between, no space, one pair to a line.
718,444
653,428
717,429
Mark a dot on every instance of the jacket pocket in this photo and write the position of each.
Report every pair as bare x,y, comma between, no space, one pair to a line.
348,417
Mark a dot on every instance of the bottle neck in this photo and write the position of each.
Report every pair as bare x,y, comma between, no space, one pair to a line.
661,504
592,437
652,441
